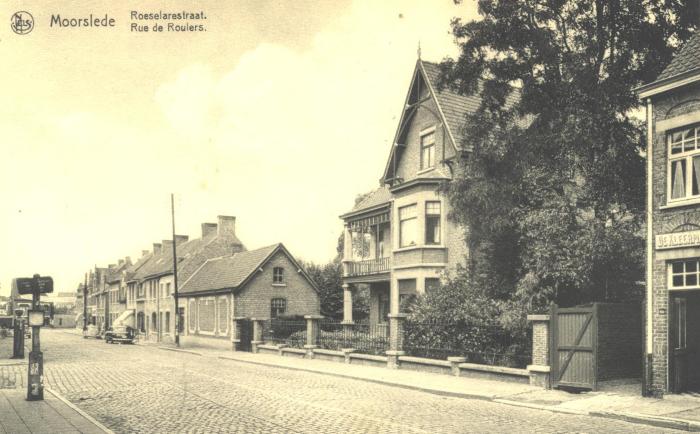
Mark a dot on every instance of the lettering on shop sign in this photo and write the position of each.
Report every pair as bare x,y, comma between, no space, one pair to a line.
677,239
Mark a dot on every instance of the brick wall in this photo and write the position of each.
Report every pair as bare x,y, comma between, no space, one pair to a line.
540,342
619,341
254,300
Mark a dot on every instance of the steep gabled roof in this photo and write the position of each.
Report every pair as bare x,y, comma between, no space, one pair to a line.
687,59
452,107
232,272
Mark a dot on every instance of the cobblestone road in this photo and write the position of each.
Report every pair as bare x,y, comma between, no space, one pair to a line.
145,389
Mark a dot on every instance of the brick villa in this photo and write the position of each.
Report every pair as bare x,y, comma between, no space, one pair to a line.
398,240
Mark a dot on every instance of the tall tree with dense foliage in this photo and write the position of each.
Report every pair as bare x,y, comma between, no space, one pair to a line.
552,185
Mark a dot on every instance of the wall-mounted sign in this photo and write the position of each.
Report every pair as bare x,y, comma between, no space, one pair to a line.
678,239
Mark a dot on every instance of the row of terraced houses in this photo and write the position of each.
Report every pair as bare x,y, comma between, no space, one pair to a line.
218,278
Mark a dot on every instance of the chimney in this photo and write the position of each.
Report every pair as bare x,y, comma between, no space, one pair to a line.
227,225
167,244
208,229
144,252
121,262
179,239
127,260
157,248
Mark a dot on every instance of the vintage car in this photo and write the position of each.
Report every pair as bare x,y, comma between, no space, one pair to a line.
121,334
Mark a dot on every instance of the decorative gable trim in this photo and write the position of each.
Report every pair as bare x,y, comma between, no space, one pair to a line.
410,109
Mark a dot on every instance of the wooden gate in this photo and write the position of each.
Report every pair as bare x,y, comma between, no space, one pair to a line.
573,350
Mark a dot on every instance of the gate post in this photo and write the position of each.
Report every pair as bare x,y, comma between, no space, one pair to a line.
257,334
236,333
395,339
539,370
312,333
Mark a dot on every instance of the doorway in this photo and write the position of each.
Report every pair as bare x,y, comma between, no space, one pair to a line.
684,342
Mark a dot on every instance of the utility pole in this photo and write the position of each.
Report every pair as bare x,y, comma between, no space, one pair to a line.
175,293
85,301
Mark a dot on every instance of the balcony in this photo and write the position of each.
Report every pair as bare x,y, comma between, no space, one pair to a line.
369,267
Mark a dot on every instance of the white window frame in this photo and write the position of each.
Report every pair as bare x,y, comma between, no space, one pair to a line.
684,273
415,229
688,157
424,133
281,275
439,216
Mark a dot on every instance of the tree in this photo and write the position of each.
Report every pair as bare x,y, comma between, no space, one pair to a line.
552,187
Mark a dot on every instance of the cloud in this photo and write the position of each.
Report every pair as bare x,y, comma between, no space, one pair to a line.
295,135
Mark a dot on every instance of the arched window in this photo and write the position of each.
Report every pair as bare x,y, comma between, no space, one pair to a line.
278,307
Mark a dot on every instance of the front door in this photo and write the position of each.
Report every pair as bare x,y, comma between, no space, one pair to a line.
678,348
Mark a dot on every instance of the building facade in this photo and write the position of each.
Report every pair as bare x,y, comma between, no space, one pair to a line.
673,225
150,289
265,283
398,240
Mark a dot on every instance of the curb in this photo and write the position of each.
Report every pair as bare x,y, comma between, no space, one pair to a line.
180,350
369,380
657,421
79,411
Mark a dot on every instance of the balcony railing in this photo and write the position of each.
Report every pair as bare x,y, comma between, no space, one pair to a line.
370,266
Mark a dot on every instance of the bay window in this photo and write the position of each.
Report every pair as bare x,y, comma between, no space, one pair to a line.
684,163
432,223
408,225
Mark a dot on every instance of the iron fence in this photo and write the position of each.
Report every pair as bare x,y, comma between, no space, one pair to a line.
281,331
363,337
489,344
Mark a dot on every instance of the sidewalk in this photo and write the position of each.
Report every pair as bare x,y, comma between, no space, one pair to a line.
54,414
617,401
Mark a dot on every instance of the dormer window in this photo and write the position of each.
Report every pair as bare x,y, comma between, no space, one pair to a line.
684,163
427,149
278,275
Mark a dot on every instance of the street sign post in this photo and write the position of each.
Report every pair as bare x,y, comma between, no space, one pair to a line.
35,286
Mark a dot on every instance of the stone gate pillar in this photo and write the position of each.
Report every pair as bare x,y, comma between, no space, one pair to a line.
396,321
236,333
312,334
257,333
540,367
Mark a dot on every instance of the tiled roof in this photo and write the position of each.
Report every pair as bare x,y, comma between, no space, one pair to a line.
454,105
191,254
136,266
688,58
374,198
226,272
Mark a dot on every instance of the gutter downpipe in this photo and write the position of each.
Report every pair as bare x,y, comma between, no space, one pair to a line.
650,252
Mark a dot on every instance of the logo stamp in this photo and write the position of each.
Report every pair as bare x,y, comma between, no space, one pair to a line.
22,22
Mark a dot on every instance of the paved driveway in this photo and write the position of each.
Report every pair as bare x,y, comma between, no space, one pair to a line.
145,389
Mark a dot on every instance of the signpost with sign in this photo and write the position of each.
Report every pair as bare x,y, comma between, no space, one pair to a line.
35,286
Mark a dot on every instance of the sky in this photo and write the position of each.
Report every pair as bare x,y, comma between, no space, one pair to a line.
279,113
